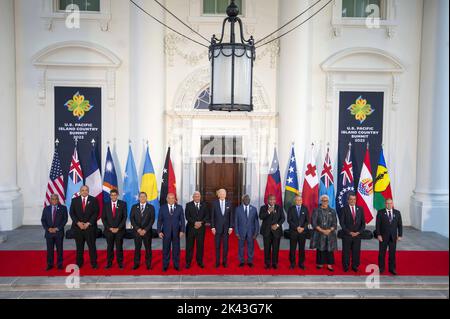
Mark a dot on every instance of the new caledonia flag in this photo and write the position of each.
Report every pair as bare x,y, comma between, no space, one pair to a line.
382,184
291,186
273,185
168,183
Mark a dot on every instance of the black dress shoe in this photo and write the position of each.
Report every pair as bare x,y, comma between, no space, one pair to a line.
60,267
241,265
381,270
164,269
177,268
393,272
355,269
135,267
291,267
201,266
120,266
319,267
274,266
301,266
80,266
345,269
217,265
188,266
224,265
108,266
250,265
49,268
149,267
266,267
95,266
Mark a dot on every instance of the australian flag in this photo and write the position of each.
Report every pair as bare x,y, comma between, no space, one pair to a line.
346,182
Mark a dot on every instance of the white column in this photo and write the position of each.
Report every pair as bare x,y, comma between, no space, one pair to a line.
147,84
429,204
294,87
11,203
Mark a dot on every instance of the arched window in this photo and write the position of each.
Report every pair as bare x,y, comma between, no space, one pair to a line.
203,100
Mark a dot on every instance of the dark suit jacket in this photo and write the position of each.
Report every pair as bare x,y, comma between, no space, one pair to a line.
219,222
347,223
294,221
60,220
246,226
88,216
193,215
389,230
145,222
276,217
171,225
121,216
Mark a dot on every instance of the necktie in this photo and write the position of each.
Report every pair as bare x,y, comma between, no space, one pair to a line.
353,214
198,206
54,215
114,210
171,210
84,204
390,216
298,212
246,211
142,210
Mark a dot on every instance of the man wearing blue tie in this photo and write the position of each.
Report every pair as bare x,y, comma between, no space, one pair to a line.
171,227
247,229
54,218
222,224
297,217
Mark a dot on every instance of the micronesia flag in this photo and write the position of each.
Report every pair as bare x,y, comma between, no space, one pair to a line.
109,177
94,182
327,181
148,183
130,183
75,180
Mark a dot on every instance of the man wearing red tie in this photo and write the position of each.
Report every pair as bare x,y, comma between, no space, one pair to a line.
353,224
54,218
114,218
84,212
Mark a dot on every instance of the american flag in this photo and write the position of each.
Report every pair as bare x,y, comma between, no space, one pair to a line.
327,174
56,182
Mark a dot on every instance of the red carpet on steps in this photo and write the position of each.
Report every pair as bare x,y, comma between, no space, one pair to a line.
33,263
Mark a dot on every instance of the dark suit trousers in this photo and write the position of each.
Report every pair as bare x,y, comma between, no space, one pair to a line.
222,240
300,240
171,243
250,248
147,240
351,246
86,236
111,240
383,246
53,241
271,249
195,236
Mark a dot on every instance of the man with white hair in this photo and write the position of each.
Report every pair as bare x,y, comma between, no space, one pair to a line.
197,215
222,224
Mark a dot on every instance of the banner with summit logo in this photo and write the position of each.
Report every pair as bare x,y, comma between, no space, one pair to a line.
360,122
78,116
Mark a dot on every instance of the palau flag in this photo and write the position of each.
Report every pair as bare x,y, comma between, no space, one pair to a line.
75,180
382,184
327,181
130,183
273,185
148,183
109,177
291,188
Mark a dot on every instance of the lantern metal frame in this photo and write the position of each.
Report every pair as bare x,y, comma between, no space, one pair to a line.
248,46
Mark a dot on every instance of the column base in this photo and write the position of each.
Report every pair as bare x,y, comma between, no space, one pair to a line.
430,212
11,209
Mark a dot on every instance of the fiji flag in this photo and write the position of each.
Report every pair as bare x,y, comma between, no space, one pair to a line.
148,183
130,183
109,178
75,180
327,180
273,185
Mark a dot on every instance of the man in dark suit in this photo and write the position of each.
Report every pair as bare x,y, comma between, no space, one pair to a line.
297,217
54,218
353,224
389,229
247,229
171,227
142,217
114,218
271,229
84,212
197,215
222,221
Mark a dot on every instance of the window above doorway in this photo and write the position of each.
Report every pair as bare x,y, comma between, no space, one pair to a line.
219,7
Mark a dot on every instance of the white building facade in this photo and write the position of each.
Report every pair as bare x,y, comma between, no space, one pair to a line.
151,80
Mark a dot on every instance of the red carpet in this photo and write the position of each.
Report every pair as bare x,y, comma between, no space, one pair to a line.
33,263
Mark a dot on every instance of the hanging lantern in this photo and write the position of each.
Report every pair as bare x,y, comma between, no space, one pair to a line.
232,68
